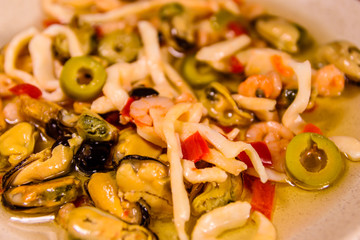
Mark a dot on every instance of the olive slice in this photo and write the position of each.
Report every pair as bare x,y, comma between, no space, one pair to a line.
119,46
82,78
313,162
197,74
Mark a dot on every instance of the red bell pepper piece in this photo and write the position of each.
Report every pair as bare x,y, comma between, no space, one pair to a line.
312,128
235,65
264,153
26,88
126,110
263,197
236,28
194,147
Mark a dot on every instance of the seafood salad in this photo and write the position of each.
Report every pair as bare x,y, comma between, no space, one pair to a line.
167,119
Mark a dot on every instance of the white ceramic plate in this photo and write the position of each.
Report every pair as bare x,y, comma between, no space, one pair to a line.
332,214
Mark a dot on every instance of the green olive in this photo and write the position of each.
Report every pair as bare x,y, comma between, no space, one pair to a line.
221,19
119,46
82,78
196,73
344,55
313,162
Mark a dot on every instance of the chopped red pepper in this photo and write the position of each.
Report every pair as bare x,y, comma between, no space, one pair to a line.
99,32
264,153
235,65
82,201
48,22
26,88
312,128
126,110
236,28
263,197
194,147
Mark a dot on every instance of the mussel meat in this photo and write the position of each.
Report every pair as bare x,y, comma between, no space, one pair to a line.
44,197
93,223
103,191
222,107
148,179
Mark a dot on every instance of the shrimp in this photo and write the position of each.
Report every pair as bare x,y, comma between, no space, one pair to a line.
140,109
329,81
276,136
268,86
11,112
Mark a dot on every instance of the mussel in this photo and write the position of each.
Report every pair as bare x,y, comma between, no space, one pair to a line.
343,54
220,105
43,197
92,127
130,143
210,195
44,165
38,110
103,191
282,34
176,28
55,129
16,144
93,223
94,156
143,178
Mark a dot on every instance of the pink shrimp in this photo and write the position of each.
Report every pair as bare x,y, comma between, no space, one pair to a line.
268,85
276,136
140,109
329,81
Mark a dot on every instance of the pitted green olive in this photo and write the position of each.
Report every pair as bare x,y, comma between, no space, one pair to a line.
281,33
119,46
344,55
197,74
16,144
82,78
313,161
220,105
